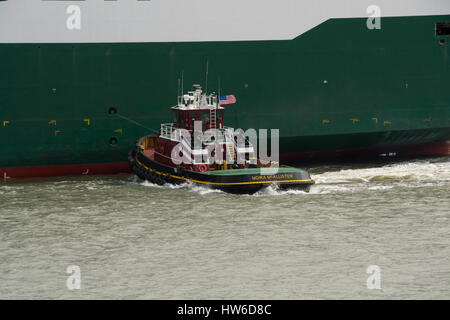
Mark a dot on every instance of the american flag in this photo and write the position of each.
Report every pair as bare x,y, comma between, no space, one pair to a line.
228,99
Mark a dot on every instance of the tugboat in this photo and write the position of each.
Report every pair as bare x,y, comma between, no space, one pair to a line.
196,147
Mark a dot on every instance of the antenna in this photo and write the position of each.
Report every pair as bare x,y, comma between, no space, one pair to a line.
218,97
178,90
182,81
207,67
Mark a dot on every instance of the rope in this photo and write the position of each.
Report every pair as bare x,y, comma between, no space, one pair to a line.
135,122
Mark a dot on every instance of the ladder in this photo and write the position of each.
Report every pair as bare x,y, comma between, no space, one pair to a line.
230,151
212,119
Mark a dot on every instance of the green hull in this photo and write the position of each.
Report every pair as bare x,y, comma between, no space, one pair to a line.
338,86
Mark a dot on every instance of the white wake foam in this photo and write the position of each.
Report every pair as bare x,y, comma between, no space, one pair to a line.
417,173
420,171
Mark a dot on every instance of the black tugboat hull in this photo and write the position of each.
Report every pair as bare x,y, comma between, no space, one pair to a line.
252,189
150,170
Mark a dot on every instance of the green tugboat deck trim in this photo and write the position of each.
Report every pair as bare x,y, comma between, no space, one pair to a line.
265,171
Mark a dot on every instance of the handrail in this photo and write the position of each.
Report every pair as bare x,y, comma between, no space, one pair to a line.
166,130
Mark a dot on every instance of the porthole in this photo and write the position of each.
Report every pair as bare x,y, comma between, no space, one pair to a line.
112,110
113,141
442,28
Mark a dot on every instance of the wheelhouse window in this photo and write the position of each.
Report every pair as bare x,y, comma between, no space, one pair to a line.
204,117
220,115
178,118
174,116
443,28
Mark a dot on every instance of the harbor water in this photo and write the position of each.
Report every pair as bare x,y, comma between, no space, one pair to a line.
135,240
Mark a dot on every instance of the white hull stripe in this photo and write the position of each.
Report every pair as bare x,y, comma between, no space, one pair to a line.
39,21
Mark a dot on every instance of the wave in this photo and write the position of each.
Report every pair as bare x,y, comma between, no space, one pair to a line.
408,174
420,171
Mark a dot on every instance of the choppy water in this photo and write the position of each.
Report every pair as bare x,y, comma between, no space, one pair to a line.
133,239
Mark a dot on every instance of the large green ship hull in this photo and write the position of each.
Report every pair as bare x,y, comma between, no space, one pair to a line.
336,88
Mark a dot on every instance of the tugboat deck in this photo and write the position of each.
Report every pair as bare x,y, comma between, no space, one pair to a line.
150,153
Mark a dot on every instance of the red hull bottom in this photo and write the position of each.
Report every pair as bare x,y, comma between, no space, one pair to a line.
64,170
416,150
428,149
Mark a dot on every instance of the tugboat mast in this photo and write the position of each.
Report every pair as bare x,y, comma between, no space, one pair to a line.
206,85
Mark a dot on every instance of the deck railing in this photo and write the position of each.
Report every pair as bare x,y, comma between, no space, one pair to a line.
166,130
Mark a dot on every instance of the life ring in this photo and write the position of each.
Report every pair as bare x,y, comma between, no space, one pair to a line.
202,167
